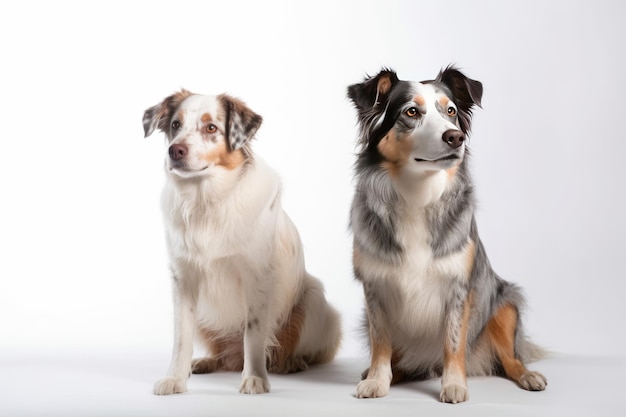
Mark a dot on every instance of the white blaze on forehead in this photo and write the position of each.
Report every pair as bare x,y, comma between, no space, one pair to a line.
429,101
197,106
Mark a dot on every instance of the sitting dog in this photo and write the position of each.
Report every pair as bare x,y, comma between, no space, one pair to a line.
237,266
434,305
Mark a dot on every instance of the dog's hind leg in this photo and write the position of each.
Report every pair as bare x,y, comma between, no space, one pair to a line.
282,358
501,331
310,335
225,353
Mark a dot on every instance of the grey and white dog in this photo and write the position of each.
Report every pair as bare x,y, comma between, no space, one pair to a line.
434,305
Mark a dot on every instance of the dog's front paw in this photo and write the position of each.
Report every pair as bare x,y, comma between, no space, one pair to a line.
533,381
371,388
454,393
170,385
254,385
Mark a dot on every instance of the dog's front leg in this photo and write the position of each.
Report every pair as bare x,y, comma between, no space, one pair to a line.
454,379
254,377
185,296
376,383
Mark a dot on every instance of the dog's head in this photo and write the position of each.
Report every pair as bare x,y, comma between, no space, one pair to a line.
204,132
420,126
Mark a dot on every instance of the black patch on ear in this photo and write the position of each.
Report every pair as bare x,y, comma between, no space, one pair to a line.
373,90
378,101
241,122
159,116
465,91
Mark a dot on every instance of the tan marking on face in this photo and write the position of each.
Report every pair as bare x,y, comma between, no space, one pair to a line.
396,149
419,100
443,101
206,117
222,157
452,172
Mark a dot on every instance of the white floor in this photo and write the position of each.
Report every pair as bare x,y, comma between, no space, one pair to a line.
119,384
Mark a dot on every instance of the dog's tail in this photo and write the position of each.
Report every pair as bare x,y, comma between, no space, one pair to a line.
528,351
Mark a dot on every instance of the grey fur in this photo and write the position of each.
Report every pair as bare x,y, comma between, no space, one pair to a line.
378,213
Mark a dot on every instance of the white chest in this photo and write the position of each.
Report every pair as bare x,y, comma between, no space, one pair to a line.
427,283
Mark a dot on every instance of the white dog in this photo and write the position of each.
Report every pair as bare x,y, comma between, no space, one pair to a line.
238,275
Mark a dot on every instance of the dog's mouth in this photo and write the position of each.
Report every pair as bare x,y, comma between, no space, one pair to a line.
185,171
447,158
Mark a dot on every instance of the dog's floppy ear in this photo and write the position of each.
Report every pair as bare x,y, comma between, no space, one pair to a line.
241,122
373,90
466,92
159,116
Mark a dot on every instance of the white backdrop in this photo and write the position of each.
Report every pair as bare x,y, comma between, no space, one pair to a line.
82,251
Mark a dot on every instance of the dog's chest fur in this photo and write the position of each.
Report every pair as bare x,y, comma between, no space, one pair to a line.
214,229
218,218
419,283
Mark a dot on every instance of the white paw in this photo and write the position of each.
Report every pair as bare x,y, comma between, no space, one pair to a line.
170,385
254,385
454,393
371,388
533,381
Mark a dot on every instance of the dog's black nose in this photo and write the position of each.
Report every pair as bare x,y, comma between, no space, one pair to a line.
178,151
454,138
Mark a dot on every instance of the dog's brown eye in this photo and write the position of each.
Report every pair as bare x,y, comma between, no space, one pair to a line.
451,111
211,128
411,112
175,125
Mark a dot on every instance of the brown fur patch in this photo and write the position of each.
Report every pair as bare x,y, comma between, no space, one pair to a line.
500,332
419,100
226,351
384,85
168,108
452,172
288,336
221,156
206,117
471,257
380,343
396,150
443,101
382,353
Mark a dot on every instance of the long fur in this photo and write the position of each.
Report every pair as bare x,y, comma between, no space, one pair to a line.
237,265
435,307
